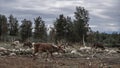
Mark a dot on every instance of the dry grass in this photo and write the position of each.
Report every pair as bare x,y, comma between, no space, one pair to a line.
101,60
28,62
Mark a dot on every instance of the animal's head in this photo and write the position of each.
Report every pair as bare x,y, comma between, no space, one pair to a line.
61,48
98,45
29,44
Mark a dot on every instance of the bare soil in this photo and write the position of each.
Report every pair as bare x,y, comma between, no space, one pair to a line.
58,62
100,60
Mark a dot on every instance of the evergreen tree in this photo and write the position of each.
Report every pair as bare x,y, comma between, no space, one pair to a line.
60,26
81,26
3,27
26,29
40,31
13,27
69,30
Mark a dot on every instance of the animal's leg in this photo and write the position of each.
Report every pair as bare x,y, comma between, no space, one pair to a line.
51,55
47,56
34,55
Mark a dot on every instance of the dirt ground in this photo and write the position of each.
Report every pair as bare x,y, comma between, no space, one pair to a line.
58,62
101,59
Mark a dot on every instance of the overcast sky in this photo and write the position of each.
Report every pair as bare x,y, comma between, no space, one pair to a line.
104,14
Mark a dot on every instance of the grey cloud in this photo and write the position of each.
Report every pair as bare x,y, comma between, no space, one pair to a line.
109,9
102,12
7,1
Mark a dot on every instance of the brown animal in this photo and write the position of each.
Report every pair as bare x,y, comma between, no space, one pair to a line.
47,47
28,44
98,45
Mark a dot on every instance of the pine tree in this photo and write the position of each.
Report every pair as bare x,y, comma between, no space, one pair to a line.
40,32
3,27
26,29
70,30
81,26
13,27
60,26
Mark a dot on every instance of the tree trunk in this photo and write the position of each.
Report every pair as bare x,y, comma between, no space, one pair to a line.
83,40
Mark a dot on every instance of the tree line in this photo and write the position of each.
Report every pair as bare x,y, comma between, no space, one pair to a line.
109,39
64,29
